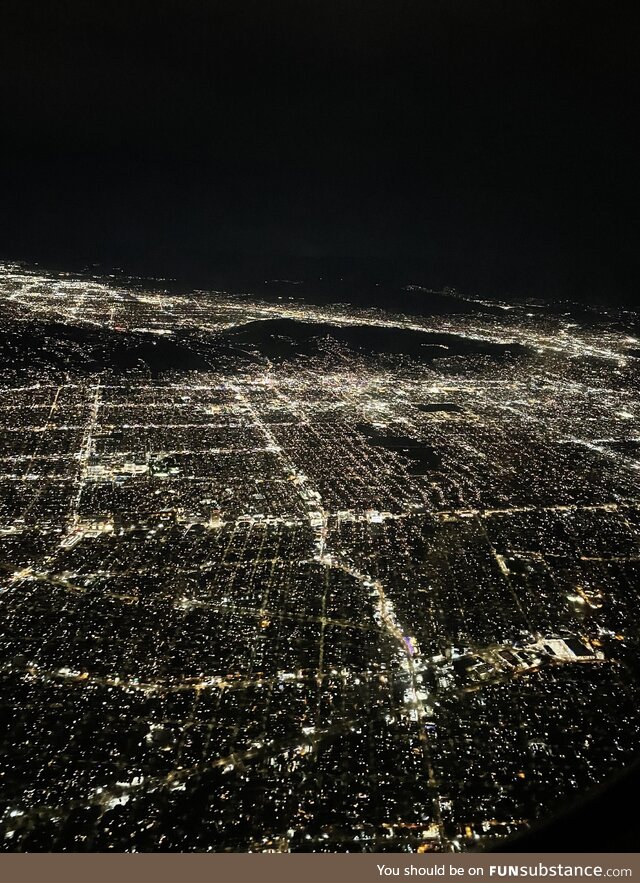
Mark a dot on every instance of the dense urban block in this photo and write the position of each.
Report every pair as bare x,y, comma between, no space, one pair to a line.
278,576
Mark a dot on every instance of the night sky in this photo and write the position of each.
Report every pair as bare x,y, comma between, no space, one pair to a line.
476,143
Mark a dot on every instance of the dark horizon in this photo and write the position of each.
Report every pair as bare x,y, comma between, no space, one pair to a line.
487,147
